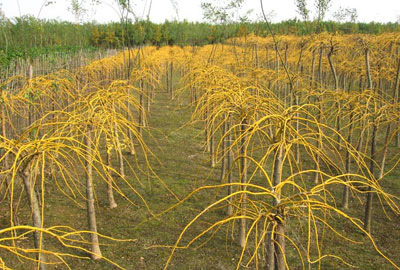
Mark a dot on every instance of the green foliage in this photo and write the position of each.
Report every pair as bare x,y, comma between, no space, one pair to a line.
29,37
302,9
7,56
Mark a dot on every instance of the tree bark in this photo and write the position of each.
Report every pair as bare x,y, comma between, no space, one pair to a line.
319,144
36,215
212,146
229,168
348,164
141,119
270,252
368,69
119,151
396,96
224,155
91,212
280,220
110,193
171,88
243,180
368,205
6,163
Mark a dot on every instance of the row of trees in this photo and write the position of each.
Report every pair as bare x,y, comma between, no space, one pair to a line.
300,126
27,36
63,130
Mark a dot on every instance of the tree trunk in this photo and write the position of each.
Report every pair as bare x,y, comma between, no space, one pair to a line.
167,76
336,85
368,69
243,180
141,119
229,167
119,151
270,252
319,144
31,109
171,88
348,164
279,236
335,77
130,135
224,155
385,151
321,53
36,215
6,164
368,205
91,213
396,96
148,93
212,146
110,193
312,69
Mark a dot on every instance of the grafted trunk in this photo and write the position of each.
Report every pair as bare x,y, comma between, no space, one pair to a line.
110,193
396,96
368,69
229,168
148,98
130,135
277,70
167,76
6,162
276,242
207,129
285,65
224,155
141,120
31,109
297,99
243,180
36,215
256,49
336,85
270,252
385,151
319,143
171,73
212,146
370,195
321,53
348,164
313,69
280,221
280,246
368,204
91,212
335,77
119,151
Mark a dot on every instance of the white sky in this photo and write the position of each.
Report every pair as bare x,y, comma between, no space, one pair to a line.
368,10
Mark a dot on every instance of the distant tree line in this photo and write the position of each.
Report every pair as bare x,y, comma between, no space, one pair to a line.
28,37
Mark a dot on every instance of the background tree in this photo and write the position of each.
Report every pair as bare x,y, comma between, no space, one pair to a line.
303,10
346,15
222,12
321,9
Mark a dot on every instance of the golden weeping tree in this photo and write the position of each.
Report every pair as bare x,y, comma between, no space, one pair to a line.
285,195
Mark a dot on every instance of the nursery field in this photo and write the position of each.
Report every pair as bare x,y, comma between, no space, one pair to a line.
260,153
